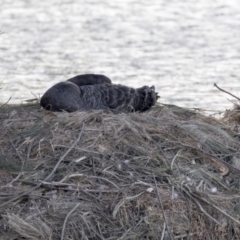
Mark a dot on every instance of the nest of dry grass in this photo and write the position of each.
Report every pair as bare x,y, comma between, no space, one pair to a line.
170,173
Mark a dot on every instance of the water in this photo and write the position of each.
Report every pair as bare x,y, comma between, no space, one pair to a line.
181,47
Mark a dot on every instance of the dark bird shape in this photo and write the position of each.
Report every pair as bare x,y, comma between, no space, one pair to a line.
89,79
79,94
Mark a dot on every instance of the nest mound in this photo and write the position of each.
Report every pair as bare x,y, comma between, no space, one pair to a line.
169,173
232,116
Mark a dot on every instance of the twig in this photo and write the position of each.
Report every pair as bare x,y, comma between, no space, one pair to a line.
21,170
192,195
65,220
6,102
129,230
58,184
139,182
19,120
49,176
236,170
14,180
175,157
215,85
159,199
163,231
90,229
201,208
66,153
217,208
77,160
66,187
133,197
105,179
122,202
213,178
70,176
20,196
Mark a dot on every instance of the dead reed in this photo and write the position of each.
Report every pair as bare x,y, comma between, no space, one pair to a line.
170,173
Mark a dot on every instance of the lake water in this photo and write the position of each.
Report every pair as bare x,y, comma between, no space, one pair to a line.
181,47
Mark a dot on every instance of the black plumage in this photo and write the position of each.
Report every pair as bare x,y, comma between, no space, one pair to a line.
86,92
89,79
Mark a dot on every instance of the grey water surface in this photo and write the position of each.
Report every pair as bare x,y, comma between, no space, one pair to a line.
181,47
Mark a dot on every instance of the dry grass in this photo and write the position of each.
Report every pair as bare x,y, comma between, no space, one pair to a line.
170,173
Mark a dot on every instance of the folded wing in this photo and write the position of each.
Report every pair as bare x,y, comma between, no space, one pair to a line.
117,98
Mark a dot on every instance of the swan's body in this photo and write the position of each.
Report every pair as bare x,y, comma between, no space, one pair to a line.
79,94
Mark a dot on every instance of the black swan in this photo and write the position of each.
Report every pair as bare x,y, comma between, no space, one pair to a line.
90,91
